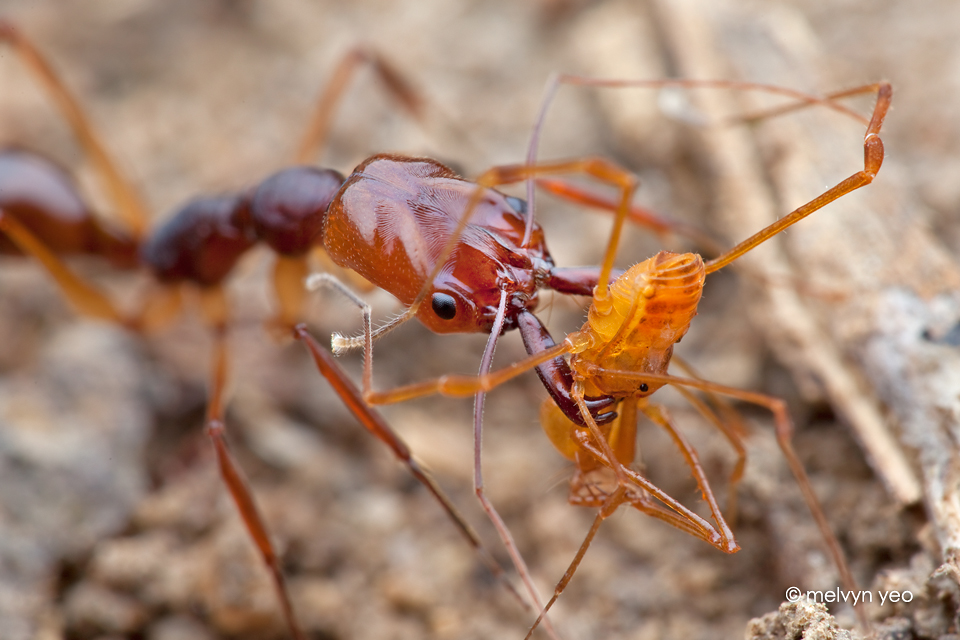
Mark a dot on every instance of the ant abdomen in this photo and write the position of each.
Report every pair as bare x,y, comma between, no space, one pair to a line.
46,201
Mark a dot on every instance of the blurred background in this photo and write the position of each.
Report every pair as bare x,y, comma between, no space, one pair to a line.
113,521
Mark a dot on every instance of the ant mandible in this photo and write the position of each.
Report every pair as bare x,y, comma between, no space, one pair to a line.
43,215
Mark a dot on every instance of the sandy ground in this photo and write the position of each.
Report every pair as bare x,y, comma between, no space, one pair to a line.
113,522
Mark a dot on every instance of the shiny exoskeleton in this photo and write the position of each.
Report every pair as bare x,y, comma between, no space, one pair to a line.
391,221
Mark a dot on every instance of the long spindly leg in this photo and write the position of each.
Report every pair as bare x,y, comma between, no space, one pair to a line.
730,424
627,492
594,442
832,97
230,471
659,416
733,437
129,205
784,432
376,425
609,506
872,160
873,146
397,86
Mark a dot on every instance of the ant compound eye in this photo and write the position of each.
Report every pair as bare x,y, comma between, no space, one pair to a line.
643,387
444,306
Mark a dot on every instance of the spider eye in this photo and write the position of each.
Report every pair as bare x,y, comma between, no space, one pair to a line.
444,306
643,387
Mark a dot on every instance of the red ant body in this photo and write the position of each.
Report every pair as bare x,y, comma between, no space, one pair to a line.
43,215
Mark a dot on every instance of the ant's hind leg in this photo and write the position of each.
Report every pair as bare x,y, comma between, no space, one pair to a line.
86,299
128,203
214,306
376,425
315,137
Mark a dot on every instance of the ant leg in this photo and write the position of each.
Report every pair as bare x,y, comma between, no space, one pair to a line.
214,307
376,425
323,279
397,86
289,274
87,299
162,305
121,192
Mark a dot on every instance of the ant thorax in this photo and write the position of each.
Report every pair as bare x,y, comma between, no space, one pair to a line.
634,326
